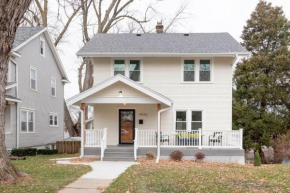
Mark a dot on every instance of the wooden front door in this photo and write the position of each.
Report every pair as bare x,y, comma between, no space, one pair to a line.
126,126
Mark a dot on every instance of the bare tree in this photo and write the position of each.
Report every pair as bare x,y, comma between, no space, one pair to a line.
38,15
11,13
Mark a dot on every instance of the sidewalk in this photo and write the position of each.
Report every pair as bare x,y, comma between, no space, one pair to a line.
101,176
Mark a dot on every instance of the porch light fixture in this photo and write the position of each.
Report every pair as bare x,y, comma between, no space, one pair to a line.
120,93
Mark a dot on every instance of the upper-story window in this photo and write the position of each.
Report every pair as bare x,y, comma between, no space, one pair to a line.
42,46
189,73
204,70
134,70
119,67
128,68
53,87
33,78
196,70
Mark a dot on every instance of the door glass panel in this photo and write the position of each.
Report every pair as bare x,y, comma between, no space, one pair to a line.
127,126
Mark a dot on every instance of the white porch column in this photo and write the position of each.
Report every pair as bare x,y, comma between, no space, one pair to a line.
82,111
241,138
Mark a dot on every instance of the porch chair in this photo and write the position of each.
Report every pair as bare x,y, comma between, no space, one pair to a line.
163,138
188,138
215,138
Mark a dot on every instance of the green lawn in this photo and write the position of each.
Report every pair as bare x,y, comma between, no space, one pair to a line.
189,176
44,175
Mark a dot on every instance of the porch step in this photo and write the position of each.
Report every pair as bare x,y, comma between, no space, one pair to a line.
119,154
120,150
118,159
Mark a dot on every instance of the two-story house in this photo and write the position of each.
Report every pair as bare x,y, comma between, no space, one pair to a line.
35,91
161,92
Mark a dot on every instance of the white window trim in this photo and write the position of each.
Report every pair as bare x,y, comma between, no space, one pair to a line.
196,71
34,121
54,115
188,117
35,69
42,40
52,78
127,67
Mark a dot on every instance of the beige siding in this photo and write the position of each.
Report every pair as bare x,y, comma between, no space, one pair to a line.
164,75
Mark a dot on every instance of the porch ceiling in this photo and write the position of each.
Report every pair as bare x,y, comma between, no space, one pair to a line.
107,92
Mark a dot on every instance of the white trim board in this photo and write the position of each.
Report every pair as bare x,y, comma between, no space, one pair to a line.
125,80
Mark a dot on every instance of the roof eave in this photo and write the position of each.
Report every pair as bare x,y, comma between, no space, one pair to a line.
146,54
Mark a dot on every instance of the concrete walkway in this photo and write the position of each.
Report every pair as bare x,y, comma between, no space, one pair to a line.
102,174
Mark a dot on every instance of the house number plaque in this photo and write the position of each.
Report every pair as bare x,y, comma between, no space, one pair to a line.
142,114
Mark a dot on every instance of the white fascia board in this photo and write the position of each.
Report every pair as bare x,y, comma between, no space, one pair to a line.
230,54
13,100
113,80
29,39
120,100
14,54
56,56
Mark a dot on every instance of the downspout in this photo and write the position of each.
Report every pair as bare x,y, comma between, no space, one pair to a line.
82,132
158,131
17,125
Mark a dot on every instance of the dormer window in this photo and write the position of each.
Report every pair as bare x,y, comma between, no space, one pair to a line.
42,47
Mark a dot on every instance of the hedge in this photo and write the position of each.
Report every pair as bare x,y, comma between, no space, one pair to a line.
47,151
24,152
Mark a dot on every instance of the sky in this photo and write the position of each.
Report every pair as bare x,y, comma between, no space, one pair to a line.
202,16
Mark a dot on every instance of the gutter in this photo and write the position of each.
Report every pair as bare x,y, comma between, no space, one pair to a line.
158,131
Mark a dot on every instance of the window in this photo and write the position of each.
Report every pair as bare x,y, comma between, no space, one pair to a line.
180,120
33,78
53,87
42,47
204,70
134,70
119,67
53,120
196,120
188,71
27,121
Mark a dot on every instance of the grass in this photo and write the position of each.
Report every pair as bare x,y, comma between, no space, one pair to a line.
188,176
44,175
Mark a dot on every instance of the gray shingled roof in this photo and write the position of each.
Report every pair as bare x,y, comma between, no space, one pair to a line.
162,43
24,33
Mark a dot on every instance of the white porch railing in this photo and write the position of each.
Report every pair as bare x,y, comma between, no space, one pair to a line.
93,137
103,143
136,144
199,138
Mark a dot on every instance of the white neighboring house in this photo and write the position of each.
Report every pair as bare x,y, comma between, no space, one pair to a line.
35,91
161,92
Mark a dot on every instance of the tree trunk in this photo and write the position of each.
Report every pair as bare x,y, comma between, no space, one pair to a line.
11,13
70,126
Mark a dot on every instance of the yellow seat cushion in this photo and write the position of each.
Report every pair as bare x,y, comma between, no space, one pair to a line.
194,136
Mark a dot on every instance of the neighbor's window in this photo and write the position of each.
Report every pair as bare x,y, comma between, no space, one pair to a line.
135,70
204,70
180,120
42,47
119,67
53,87
53,120
196,120
33,78
27,121
188,71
